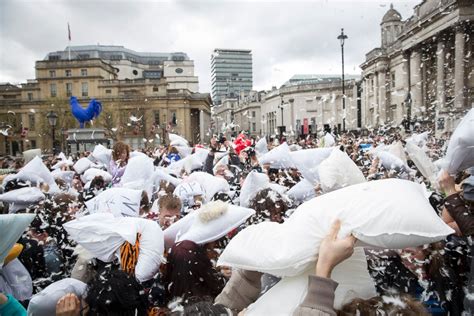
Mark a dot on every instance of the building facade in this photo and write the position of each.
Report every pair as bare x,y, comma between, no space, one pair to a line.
138,111
231,73
423,70
302,107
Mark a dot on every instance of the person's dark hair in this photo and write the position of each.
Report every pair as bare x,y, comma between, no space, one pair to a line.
221,196
189,272
384,305
269,205
205,308
115,293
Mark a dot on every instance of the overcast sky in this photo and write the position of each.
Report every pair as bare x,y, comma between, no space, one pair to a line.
286,37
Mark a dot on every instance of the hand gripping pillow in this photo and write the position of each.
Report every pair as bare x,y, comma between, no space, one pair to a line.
210,183
460,153
209,223
307,162
12,227
388,213
44,302
278,157
352,275
338,171
117,201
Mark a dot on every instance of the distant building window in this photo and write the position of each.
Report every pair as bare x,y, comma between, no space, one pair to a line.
157,118
84,72
254,114
174,121
155,88
115,57
69,89
33,143
254,127
179,70
54,57
108,91
68,73
30,96
52,73
85,89
392,78
83,56
152,74
53,90
135,72
31,122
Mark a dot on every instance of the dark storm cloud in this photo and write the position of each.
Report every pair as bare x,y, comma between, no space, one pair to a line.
286,37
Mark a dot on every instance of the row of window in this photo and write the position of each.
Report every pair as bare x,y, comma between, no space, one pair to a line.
54,90
67,73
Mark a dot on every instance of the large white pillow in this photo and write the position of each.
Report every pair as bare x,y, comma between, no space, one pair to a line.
307,162
22,198
261,147
82,165
210,183
12,227
388,213
302,191
138,174
67,176
209,223
160,174
422,162
460,153
329,140
352,275
391,162
279,157
18,279
29,155
338,171
397,149
35,171
91,173
102,154
253,183
117,201
44,302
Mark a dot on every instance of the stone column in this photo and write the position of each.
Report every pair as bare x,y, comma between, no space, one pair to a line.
376,100
440,97
382,96
415,81
459,67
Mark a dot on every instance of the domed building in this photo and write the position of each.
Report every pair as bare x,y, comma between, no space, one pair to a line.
423,70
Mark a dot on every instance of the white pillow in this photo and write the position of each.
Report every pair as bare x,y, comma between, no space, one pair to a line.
209,223
82,165
102,154
253,183
223,161
44,302
388,213
138,174
186,191
67,176
12,227
261,147
34,171
352,275
419,139
29,155
329,140
307,162
62,163
210,183
279,157
161,175
91,173
338,171
151,252
302,191
18,279
391,162
422,162
397,149
176,140
117,201
20,199
460,153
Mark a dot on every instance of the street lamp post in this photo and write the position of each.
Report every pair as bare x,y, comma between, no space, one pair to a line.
341,38
281,109
53,119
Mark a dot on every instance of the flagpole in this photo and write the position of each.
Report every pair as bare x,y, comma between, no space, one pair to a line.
69,40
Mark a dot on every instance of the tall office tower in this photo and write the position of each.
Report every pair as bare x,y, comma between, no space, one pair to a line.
231,73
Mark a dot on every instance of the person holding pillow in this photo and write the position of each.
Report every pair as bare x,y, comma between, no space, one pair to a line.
120,156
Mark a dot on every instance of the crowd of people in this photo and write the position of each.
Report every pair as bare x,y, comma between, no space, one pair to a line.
123,232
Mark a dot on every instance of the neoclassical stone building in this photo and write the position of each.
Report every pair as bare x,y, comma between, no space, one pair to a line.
423,71
140,110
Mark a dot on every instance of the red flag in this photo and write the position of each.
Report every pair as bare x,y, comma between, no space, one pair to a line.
68,32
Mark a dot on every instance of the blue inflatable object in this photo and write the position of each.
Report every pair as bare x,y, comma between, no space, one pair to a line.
85,115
